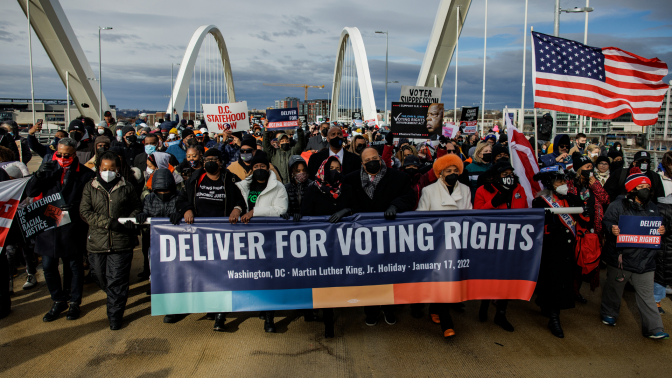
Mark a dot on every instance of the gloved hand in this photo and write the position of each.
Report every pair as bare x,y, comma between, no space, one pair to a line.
339,215
129,225
391,212
389,139
175,218
297,217
285,216
45,169
141,218
498,199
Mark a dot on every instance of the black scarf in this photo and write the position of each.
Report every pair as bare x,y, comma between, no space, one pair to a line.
107,185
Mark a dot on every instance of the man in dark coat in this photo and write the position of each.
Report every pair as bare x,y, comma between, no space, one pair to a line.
615,185
379,189
24,154
62,172
129,145
85,146
349,161
560,155
319,142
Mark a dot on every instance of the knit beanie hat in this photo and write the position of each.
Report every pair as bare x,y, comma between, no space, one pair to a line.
635,178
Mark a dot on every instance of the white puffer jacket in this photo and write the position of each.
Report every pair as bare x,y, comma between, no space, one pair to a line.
272,201
436,197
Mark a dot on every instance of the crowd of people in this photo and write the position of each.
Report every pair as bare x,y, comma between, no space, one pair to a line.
173,169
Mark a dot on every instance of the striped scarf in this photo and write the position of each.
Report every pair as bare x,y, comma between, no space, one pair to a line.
368,185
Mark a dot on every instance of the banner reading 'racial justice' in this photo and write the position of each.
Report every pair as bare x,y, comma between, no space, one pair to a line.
272,264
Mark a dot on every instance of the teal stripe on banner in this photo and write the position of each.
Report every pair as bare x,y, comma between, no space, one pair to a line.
189,303
269,300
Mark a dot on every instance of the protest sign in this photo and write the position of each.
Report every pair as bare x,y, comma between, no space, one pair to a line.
638,232
42,215
469,130
469,116
409,120
282,119
357,116
420,95
304,120
10,195
222,117
272,264
450,130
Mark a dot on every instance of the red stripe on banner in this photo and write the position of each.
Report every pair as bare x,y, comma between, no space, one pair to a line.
8,208
599,90
638,239
566,109
632,58
593,101
4,231
633,73
460,291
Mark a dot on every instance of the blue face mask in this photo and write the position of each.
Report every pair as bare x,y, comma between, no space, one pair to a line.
55,142
119,133
149,149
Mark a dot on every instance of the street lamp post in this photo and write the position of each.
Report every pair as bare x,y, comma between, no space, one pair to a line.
100,76
172,105
556,32
387,121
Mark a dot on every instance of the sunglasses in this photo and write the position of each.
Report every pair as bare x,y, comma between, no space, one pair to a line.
451,151
63,156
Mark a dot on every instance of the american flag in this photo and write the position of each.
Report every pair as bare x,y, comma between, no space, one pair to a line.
596,82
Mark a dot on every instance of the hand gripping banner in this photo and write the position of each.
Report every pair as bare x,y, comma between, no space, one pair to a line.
273,264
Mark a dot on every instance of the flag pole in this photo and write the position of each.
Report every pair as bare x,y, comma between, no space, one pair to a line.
522,97
457,37
485,44
536,142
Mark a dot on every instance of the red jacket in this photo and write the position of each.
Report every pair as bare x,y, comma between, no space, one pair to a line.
485,193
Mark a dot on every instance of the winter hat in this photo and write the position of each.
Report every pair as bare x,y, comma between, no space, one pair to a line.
411,160
259,157
403,140
102,124
186,133
498,149
76,124
183,122
126,129
173,131
446,161
642,155
102,139
249,142
635,178
601,159
579,161
213,152
501,166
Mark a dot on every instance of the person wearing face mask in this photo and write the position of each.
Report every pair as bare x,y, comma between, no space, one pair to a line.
296,187
349,161
179,150
102,144
280,157
61,172
40,149
265,197
593,152
77,132
152,144
22,152
556,272
482,160
447,193
594,200
501,190
129,145
615,160
663,276
602,169
615,185
319,141
242,168
560,154
358,145
103,130
636,265
105,199
193,162
230,147
580,145
379,189
617,147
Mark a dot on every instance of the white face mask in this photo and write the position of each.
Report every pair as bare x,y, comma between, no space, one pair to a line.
101,131
618,148
171,136
593,154
644,166
108,176
562,190
149,171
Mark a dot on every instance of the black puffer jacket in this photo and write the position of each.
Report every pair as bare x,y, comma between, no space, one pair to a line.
636,260
664,257
100,209
153,206
296,191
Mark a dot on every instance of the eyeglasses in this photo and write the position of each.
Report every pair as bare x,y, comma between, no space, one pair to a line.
451,151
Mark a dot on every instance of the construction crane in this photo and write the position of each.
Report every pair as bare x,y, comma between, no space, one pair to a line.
297,86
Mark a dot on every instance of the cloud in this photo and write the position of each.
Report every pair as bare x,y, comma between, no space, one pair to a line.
300,46
116,37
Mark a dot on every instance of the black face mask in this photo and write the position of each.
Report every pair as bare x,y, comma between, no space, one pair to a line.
165,197
324,132
285,146
76,135
333,176
102,150
585,174
643,195
211,167
506,182
411,171
131,139
372,167
359,148
582,145
336,142
487,157
451,179
260,175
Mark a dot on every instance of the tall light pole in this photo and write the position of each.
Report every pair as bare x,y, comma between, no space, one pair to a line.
100,76
556,32
30,54
387,121
172,105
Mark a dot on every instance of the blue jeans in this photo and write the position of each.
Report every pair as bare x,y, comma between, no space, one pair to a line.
53,278
658,292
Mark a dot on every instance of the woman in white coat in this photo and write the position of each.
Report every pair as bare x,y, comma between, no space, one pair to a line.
265,197
445,194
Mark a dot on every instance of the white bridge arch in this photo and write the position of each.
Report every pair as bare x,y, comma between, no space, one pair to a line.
186,72
363,76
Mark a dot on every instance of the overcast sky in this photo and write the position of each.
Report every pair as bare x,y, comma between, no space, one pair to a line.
296,42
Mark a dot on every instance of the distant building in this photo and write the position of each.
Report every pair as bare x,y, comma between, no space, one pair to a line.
53,112
313,108
287,102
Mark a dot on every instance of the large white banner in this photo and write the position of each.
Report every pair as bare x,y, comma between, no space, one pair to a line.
222,117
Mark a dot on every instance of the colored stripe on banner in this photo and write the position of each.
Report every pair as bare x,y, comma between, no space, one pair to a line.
185,303
460,291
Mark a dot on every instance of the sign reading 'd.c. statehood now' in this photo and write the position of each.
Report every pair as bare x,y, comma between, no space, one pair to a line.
223,117
272,264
